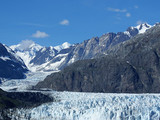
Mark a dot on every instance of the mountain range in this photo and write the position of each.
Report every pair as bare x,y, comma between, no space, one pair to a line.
132,66
30,56
40,58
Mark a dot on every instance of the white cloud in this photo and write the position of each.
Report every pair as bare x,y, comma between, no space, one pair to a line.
139,22
128,14
64,22
136,7
117,10
25,44
40,34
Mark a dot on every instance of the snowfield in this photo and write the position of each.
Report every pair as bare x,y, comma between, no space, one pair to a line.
86,106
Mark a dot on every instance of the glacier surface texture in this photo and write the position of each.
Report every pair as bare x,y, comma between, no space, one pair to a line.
95,106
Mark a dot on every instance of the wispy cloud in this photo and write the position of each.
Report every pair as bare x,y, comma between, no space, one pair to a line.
116,10
40,34
33,24
139,22
128,14
64,22
136,7
25,44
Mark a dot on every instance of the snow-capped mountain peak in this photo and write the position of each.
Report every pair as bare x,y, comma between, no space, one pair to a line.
139,29
63,46
37,57
143,27
26,50
26,45
66,45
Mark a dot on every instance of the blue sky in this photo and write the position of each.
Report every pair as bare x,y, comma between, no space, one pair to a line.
52,22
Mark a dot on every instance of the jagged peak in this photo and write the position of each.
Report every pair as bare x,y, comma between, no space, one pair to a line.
143,27
25,45
65,45
139,27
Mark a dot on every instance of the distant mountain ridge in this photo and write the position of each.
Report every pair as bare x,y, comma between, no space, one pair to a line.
39,58
34,57
26,50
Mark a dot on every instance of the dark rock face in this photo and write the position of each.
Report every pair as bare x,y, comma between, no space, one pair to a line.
10,101
101,75
143,53
132,31
130,67
11,66
22,99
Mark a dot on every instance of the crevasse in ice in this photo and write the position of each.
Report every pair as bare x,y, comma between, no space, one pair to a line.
96,106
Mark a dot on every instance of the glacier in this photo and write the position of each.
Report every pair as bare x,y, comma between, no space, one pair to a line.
32,78
85,106
95,106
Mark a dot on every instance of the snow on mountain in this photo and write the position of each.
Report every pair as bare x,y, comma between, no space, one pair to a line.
54,65
27,45
63,46
127,33
5,58
11,65
26,50
50,59
9,50
140,29
38,58
143,27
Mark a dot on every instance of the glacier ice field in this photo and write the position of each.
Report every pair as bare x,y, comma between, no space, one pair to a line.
88,106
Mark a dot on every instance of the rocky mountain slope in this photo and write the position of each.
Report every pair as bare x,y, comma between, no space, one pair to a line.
50,58
38,58
97,45
132,66
11,66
